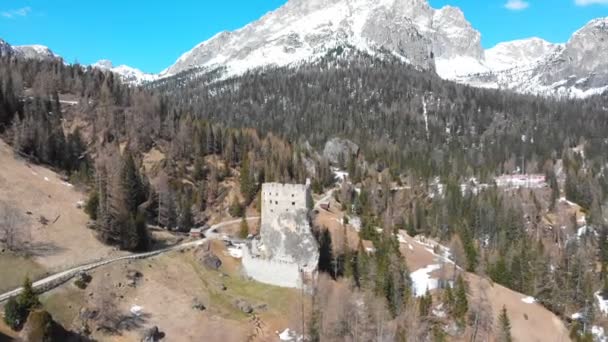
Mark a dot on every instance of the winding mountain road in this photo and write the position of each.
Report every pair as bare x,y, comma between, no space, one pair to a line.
57,279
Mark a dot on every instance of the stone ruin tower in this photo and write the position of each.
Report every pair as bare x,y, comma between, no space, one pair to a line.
286,250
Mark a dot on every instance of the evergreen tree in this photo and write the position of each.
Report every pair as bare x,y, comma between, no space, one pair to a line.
14,315
504,326
448,299
28,299
424,304
461,303
132,185
92,205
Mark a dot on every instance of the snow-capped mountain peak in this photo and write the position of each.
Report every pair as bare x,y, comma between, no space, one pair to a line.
303,30
127,74
39,52
519,52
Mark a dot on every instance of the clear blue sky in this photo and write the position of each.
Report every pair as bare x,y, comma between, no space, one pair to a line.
151,35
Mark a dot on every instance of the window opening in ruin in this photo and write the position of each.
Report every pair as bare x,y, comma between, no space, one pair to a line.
293,203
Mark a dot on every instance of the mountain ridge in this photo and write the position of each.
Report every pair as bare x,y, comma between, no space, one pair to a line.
439,40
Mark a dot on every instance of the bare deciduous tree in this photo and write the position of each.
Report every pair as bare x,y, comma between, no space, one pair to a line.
11,232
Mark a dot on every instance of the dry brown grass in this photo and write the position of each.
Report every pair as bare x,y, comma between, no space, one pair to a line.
166,291
64,241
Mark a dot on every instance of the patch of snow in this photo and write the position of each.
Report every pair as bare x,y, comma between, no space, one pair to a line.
577,315
453,68
529,300
564,200
598,334
602,303
426,117
136,310
438,311
235,252
70,103
341,176
521,181
288,335
47,179
423,281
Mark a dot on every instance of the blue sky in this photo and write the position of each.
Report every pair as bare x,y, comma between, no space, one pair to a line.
151,35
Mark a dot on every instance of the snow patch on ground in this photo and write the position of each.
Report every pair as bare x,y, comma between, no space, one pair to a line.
602,303
528,300
341,176
288,335
422,280
438,311
235,252
452,68
136,310
598,334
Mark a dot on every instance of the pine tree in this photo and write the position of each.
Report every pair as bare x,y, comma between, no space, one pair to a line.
13,314
461,303
132,185
92,205
448,299
504,326
361,266
424,304
28,299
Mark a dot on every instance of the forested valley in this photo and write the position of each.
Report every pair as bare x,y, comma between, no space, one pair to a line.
437,139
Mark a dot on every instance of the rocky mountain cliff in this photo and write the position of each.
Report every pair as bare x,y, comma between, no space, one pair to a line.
305,30
443,40
440,40
39,52
578,68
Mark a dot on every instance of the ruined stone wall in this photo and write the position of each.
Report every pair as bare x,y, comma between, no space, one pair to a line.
280,198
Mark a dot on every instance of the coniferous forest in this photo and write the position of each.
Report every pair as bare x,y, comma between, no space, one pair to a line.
413,129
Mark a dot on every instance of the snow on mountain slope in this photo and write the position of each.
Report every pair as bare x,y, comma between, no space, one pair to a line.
519,52
127,74
578,68
303,30
443,40
39,52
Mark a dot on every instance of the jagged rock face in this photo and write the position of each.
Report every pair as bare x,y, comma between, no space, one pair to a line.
336,149
583,63
304,30
455,37
578,68
39,52
587,50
